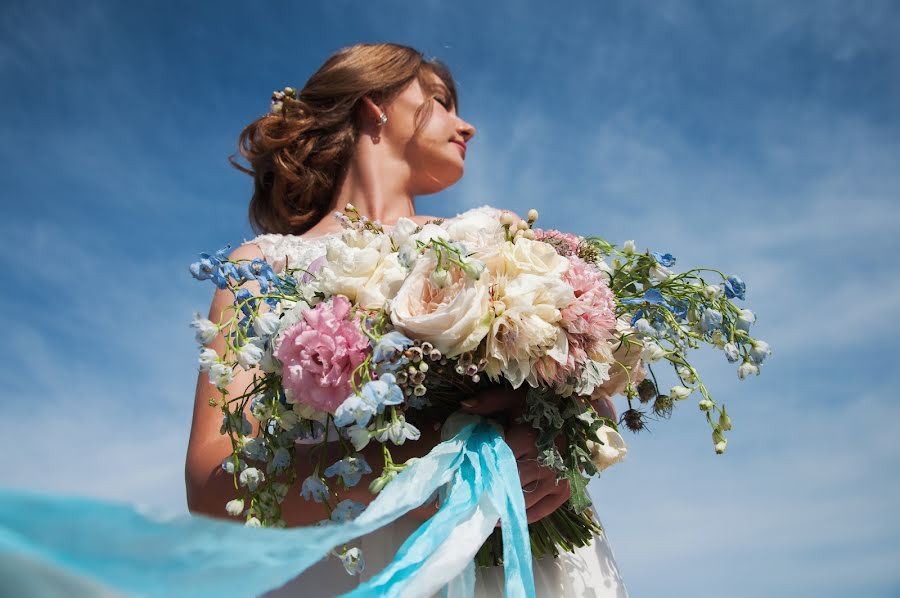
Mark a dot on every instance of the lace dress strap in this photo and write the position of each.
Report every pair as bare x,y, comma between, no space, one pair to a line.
281,250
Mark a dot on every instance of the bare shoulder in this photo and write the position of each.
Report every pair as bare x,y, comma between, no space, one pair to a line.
246,251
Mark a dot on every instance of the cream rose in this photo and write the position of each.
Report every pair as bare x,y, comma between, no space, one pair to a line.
525,256
610,452
351,261
383,284
454,319
527,326
477,229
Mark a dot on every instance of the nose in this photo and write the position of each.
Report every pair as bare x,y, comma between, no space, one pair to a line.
465,130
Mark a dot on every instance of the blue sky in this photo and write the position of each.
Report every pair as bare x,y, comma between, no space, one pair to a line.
761,138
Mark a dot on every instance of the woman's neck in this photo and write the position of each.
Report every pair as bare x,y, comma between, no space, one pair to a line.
376,186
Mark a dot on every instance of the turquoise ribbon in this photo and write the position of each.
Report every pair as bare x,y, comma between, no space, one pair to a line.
85,541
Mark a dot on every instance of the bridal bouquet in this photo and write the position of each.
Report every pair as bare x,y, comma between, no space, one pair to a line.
394,328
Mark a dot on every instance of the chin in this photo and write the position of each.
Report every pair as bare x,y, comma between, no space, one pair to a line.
440,176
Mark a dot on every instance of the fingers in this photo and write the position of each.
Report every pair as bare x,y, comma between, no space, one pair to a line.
494,400
522,439
546,505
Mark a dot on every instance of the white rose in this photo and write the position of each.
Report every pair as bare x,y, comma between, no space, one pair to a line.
526,257
477,229
610,452
383,284
350,261
402,231
429,232
454,319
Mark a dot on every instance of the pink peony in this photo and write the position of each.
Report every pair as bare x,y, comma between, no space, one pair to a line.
593,312
589,322
319,354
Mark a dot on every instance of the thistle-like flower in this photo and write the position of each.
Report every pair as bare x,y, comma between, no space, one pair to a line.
633,420
646,390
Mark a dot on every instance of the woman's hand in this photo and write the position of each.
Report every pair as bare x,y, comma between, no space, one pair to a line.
542,494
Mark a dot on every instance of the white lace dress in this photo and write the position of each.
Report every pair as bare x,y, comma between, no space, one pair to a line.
590,571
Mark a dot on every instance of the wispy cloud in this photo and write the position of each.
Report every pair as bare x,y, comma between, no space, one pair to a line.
761,138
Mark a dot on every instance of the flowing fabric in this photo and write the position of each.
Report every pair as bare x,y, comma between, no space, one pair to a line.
85,545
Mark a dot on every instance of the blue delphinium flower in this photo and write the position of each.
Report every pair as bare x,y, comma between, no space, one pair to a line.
215,267
731,352
355,408
350,469
281,459
346,510
637,316
246,297
679,308
664,259
710,320
653,296
387,347
383,391
734,287
314,488
258,270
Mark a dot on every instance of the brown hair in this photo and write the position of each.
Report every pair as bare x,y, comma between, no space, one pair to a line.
297,157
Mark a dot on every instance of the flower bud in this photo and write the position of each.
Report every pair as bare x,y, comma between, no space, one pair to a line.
731,352
628,248
747,368
522,225
745,319
705,405
473,269
720,446
440,278
529,234
760,351
712,291
686,375
679,393
532,215
653,352
507,219
235,507
724,420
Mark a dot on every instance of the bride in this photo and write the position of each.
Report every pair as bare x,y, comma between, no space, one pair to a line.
376,126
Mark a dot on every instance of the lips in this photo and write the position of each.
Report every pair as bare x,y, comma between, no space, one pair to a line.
462,145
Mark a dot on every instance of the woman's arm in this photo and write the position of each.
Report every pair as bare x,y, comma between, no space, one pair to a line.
209,487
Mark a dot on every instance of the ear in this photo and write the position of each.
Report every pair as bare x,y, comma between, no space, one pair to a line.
369,110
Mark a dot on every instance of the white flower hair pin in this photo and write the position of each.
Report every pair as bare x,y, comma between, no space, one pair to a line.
278,99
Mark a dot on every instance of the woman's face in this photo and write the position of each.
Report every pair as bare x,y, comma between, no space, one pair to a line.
436,154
